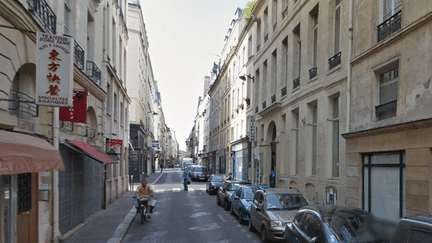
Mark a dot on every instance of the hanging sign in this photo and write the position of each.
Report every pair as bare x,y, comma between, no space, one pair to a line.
78,113
54,70
116,142
252,128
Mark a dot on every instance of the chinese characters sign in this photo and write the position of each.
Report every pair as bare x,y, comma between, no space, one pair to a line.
116,142
54,70
78,113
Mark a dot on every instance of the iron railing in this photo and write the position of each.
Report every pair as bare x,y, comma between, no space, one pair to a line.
284,91
22,105
264,104
334,60
273,99
386,110
313,72
44,13
256,109
389,26
79,56
93,72
285,13
296,82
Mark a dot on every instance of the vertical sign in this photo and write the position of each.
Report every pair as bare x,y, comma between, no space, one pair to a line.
78,113
252,128
54,65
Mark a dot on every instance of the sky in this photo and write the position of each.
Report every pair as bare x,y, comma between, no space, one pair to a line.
185,38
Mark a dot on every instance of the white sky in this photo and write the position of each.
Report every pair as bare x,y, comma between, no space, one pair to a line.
184,37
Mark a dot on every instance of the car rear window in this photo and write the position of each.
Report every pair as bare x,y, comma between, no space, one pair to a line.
201,169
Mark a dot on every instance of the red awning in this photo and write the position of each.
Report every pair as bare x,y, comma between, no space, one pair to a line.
92,152
21,153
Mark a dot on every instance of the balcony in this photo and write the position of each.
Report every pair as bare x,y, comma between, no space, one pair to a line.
313,72
79,56
264,105
256,109
296,83
386,110
273,99
41,10
284,91
285,13
22,105
94,72
389,26
265,38
334,60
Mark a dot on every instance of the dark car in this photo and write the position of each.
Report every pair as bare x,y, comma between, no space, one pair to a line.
417,228
272,209
213,183
225,191
241,201
199,173
337,223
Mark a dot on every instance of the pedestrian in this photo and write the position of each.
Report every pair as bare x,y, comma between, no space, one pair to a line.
185,176
145,191
161,167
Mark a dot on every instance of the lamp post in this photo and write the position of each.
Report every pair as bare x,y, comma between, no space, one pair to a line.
243,77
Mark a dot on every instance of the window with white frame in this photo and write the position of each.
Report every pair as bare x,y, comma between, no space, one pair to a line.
295,147
337,23
67,18
335,137
314,147
274,14
389,8
388,93
331,196
115,106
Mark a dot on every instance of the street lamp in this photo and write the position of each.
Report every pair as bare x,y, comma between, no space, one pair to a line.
243,77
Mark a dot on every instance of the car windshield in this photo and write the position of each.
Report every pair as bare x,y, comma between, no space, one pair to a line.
217,178
358,227
201,169
248,193
285,201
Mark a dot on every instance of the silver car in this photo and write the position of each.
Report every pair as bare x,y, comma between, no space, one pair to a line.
272,209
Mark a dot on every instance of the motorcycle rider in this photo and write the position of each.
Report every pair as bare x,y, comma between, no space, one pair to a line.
143,191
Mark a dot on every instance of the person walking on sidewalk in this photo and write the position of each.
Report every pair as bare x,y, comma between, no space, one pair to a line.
185,176
143,191
161,166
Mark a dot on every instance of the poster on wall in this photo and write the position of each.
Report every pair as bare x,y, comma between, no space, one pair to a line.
77,113
54,70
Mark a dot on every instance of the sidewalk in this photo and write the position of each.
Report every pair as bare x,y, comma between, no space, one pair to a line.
110,224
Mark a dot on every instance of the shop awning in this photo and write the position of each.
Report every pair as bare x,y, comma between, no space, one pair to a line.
21,153
92,151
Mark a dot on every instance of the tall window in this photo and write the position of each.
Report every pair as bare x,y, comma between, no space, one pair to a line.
114,43
295,147
285,61
274,14
108,103
314,138
384,184
274,72
266,23
337,27
258,36
250,52
335,138
264,82
314,16
331,196
90,37
284,8
388,93
121,114
67,18
115,107
297,57
390,7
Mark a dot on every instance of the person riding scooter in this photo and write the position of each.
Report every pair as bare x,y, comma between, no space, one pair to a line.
144,191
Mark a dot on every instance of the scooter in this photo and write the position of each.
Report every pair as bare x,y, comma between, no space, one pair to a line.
141,206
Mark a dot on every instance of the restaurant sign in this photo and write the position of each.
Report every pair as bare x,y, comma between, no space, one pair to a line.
54,57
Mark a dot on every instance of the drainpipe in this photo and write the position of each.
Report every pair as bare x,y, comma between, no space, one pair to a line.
350,44
56,230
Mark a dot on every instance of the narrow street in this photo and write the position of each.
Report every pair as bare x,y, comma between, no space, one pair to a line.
187,216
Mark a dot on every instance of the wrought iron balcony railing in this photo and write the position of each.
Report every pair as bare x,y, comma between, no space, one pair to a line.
264,104
285,13
22,105
273,99
284,91
386,110
266,38
296,82
313,72
44,13
256,109
79,56
389,26
93,72
334,60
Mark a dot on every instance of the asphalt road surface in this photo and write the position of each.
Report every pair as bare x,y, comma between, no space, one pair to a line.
187,216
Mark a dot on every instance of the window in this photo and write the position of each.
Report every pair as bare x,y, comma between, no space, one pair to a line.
115,107
331,196
390,18
250,52
314,21
336,37
274,72
389,8
121,114
285,62
297,57
384,184
388,94
335,138
295,147
67,18
266,23
264,82
314,112
24,192
108,103
90,37
258,36
113,43
284,8
274,14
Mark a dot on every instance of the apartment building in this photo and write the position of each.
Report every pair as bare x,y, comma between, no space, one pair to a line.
389,138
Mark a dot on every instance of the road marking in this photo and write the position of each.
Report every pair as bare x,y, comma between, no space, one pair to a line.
222,218
176,189
160,190
206,227
196,215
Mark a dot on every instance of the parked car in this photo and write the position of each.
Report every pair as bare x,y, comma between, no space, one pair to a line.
199,173
337,223
271,209
213,183
416,229
225,191
241,201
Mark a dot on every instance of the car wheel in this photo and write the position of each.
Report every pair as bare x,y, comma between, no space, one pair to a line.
264,235
240,217
232,211
226,205
218,202
250,226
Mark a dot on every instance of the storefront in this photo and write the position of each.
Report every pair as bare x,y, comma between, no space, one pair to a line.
22,158
240,159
